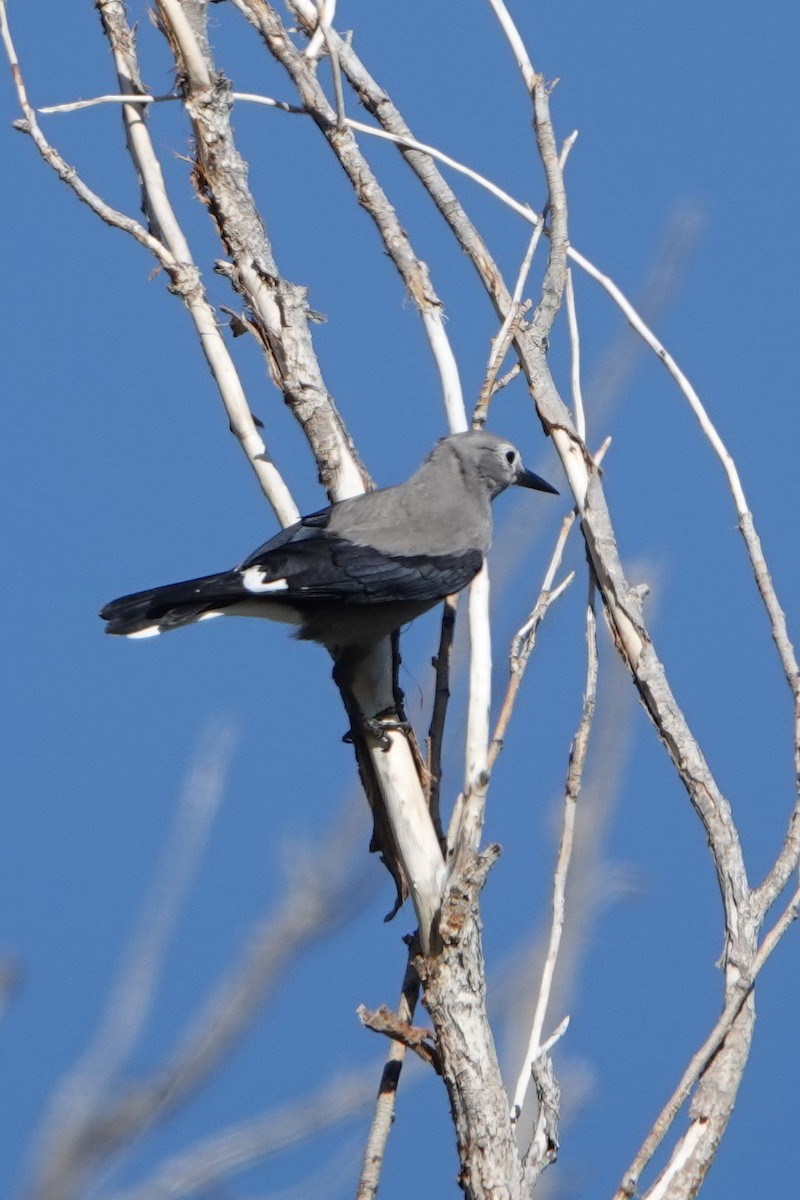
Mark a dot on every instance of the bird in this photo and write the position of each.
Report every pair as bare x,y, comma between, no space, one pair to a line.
357,571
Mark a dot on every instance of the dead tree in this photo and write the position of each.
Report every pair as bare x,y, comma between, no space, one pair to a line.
506,1135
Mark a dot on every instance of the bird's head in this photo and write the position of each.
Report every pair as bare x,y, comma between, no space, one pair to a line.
494,460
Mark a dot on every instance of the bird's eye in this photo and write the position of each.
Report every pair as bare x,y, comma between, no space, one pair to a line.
511,455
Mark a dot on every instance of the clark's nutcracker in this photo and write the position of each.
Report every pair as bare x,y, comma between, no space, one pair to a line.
355,572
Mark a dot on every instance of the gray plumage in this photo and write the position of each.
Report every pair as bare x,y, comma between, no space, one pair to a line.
353,573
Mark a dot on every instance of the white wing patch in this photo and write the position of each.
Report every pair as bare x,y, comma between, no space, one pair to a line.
149,631
254,581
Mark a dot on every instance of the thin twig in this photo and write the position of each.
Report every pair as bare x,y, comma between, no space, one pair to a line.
171,251
404,143
506,379
336,70
500,346
385,1104
67,173
507,331
326,10
525,638
513,318
112,98
577,760
384,1021
516,43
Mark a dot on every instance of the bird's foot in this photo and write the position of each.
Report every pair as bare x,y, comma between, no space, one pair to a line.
379,727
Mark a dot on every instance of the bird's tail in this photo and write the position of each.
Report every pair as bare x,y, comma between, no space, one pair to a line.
144,614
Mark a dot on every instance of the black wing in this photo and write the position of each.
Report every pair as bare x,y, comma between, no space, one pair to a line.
316,565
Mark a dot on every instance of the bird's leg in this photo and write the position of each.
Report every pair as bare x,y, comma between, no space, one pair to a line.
383,840
379,726
359,676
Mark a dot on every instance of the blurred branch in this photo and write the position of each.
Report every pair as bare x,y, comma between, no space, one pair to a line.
612,371
321,894
81,1096
211,1161
327,1182
10,978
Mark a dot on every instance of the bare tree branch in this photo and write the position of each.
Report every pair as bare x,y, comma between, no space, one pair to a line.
738,995
370,196
175,258
279,309
383,1117
455,996
384,1021
543,1148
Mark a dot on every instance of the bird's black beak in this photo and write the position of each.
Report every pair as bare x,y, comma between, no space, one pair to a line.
529,480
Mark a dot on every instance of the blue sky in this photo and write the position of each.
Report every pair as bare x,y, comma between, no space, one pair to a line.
119,473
